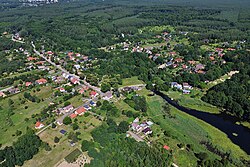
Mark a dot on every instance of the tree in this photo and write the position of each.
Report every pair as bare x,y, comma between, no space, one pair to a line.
67,121
56,139
75,126
86,145
123,127
53,125
105,87
66,103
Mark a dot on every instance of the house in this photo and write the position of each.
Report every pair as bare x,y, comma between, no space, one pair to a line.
107,96
87,107
83,89
166,147
41,81
147,131
136,127
176,85
92,103
136,120
39,125
50,53
172,53
63,131
68,108
62,90
27,84
73,115
74,81
2,94
80,111
31,58
178,60
186,86
72,144
199,67
93,94
150,123
186,91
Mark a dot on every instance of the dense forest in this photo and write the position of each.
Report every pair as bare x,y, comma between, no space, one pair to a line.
23,149
115,150
233,94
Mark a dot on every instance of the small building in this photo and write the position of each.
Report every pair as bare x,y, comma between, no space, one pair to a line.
74,81
68,108
136,127
166,147
186,86
63,132
41,81
27,84
92,103
108,95
147,131
80,111
87,107
2,94
73,115
93,94
39,125
186,91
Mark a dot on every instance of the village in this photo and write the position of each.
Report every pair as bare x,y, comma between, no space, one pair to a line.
71,101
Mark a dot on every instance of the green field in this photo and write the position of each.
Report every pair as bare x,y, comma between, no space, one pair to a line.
8,129
189,130
131,81
193,103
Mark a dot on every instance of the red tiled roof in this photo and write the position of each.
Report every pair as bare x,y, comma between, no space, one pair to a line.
38,124
73,115
28,84
80,110
93,93
41,81
166,147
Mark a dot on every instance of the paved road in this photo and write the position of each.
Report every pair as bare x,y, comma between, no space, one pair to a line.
6,89
135,136
65,71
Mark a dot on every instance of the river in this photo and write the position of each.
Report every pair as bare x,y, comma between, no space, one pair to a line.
223,122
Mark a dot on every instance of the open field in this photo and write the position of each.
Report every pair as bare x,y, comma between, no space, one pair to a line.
193,103
9,126
131,81
198,130
62,149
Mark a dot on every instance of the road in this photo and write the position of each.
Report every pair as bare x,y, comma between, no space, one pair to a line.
135,136
98,90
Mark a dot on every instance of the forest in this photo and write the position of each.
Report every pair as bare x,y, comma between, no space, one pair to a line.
233,94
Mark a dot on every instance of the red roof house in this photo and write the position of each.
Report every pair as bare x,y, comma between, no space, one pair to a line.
31,58
80,111
93,94
166,147
27,84
41,81
39,125
73,115
74,81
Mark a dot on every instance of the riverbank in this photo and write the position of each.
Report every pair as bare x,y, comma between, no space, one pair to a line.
193,101
190,130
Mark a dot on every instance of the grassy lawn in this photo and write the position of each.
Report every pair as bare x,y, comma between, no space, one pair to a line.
20,113
62,149
189,130
193,103
131,81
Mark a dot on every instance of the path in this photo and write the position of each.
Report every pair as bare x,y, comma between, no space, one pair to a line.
65,71
135,136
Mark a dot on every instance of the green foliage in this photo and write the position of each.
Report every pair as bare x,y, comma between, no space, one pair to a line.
23,149
67,121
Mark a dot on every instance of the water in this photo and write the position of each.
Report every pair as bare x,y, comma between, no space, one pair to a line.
223,122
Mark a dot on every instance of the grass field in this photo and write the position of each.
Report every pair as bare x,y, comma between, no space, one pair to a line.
131,81
20,113
189,130
193,103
